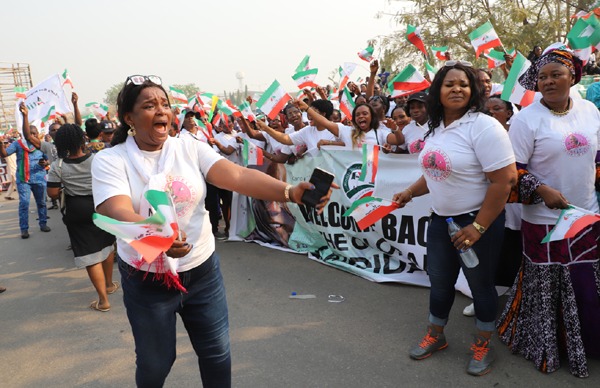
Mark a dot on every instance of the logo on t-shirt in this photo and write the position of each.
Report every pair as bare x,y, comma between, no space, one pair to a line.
184,194
576,144
436,165
416,146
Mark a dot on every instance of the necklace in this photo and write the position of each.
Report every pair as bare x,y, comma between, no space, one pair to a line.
558,113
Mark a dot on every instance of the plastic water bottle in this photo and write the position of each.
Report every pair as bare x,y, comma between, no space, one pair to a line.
468,256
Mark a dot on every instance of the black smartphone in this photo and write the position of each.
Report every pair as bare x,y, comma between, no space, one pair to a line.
322,181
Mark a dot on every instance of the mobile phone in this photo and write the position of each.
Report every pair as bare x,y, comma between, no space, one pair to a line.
322,181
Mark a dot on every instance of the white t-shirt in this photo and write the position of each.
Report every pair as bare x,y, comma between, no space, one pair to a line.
560,151
310,136
378,136
114,174
226,140
455,159
413,137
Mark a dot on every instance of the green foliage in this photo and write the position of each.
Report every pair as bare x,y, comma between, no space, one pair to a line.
520,24
112,93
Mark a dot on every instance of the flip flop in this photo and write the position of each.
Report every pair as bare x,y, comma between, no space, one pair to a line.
96,306
116,285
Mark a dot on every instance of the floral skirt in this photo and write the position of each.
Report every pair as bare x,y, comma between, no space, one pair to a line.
554,304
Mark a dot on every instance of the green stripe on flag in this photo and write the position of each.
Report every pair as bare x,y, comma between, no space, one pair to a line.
267,94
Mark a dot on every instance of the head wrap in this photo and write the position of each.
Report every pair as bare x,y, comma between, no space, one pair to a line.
561,55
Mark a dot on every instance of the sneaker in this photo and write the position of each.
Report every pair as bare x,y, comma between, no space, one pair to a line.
481,362
221,236
469,311
429,344
45,228
24,234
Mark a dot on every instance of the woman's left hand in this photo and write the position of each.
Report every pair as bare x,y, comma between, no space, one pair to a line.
466,237
180,247
297,191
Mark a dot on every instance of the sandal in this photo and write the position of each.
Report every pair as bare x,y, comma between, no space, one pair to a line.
115,288
96,306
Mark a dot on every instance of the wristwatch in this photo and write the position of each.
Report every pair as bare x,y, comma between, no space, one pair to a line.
479,228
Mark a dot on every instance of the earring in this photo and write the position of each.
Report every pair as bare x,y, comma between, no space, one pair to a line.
131,131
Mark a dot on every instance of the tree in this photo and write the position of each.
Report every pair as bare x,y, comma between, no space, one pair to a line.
520,24
112,93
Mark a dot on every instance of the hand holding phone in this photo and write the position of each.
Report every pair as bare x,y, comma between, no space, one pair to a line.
322,181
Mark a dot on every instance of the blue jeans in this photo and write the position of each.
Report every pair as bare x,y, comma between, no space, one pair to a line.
39,194
444,264
151,309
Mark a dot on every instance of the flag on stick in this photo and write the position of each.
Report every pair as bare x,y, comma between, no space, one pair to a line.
66,79
251,154
370,163
440,53
347,104
513,91
368,210
273,100
407,81
413,35
303,64
367,54
571,221
178,95
484,37
306,78
20,92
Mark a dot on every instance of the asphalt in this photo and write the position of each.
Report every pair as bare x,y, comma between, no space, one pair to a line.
49,337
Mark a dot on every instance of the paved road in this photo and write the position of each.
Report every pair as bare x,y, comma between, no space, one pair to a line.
49,337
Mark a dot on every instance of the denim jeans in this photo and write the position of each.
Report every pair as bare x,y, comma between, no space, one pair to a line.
444,264
39,194
151,309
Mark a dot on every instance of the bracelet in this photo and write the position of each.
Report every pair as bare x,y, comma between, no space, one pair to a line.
286,193
307,109
479,228
410,192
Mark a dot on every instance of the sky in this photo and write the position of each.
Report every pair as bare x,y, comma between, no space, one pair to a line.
101,42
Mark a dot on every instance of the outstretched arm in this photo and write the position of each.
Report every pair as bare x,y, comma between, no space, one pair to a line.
26,130
318,119
374,67
283,138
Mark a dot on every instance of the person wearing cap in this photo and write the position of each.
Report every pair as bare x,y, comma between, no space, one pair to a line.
107,130
415,131
554,304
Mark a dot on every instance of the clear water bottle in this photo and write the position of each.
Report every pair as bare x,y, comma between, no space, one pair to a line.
468,256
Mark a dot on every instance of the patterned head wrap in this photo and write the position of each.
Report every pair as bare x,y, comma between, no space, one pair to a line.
561,55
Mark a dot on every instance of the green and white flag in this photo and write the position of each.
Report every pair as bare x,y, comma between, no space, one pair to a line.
178,95
484,38
303,64
273,100
306,78
251,154
407,81
366,54
347,104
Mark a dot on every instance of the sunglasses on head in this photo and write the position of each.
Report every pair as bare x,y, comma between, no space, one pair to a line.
454,63
140,79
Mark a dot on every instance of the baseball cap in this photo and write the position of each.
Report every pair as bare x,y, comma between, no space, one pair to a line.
418,96
107,126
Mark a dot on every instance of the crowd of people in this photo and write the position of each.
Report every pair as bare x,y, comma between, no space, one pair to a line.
509,170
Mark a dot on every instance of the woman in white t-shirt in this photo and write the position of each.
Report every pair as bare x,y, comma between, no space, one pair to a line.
145,157
365,129
555,300
468,167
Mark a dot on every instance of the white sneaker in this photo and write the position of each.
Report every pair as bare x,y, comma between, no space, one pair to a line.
469,311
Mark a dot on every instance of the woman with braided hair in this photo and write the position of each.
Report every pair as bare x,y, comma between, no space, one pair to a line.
92,247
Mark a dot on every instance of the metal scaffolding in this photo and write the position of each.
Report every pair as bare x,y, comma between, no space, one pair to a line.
12,75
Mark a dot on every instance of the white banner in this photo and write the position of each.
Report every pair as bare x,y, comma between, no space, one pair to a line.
41,98
392,250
